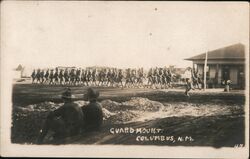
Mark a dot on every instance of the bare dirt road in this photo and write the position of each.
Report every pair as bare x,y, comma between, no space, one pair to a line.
139,116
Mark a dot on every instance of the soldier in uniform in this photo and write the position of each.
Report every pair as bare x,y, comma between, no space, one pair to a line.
42,76
128,78
189,86
199,76
109,74
93,115
83,78
112,77
65,121
78,73
189,83
149,77
72,76
33,76
120,77
195,79
140,77
46,76
61,77
164,77
38,73
66,76
155,77
169,78
88,75
105,77
93,74
56,81
51,76
133,77
160,75
101,77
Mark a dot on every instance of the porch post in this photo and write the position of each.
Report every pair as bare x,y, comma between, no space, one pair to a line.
205,73
217,74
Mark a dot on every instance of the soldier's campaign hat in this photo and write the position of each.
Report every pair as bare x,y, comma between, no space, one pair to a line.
91,93
67,94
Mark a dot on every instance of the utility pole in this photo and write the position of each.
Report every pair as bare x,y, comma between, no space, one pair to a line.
205,72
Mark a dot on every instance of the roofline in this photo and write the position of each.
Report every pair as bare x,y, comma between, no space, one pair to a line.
190,59
220,58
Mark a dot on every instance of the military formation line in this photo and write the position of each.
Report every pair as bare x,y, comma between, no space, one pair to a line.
109,77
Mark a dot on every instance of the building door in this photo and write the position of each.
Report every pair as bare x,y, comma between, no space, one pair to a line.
225,73
241,77
234,75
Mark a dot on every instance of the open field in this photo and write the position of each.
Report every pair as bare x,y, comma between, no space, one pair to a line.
211,118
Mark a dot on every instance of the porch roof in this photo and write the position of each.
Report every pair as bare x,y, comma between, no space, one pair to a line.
236,51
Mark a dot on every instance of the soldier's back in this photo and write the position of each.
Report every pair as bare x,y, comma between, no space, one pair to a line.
93,115
72,114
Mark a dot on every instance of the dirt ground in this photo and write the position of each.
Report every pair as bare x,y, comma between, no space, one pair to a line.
138,116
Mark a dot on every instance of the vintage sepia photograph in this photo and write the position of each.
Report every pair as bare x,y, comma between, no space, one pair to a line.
132,79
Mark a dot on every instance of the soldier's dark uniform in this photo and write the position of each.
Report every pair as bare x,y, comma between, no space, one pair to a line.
38,75
46,76
120,77
33,75
42,75
150,78
164,77
61,76
72,76
93,74
169,78
66,76
93,115
64,121
189,86
56,76
51,76
78,74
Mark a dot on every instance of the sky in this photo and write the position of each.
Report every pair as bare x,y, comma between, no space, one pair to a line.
118,34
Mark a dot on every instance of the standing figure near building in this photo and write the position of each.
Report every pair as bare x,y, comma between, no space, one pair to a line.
189,83
195,79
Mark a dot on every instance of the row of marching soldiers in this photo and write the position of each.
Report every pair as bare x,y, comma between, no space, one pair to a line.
113,77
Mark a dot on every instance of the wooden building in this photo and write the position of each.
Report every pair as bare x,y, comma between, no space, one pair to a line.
226,63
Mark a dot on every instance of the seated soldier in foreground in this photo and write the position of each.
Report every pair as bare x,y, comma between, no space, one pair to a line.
65,121
93,115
